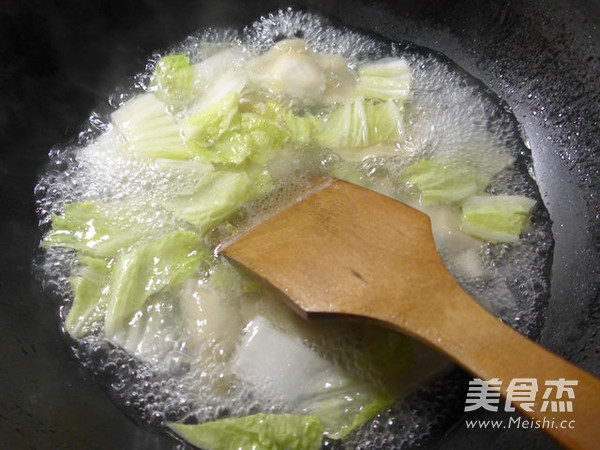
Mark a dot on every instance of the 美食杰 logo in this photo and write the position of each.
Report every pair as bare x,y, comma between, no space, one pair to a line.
557,395
553,396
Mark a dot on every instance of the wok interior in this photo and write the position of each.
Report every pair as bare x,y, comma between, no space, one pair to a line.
542,60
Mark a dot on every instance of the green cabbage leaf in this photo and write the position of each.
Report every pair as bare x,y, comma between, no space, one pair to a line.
386,79
218,196
173,78
496,218
146,270
149,130
255,432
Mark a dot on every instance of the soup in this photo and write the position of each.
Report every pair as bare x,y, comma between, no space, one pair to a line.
223,130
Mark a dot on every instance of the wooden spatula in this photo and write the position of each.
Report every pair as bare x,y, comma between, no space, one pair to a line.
345,250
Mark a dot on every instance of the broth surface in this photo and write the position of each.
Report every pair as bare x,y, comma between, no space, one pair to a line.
161,369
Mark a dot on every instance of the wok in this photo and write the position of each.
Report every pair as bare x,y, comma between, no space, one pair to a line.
60,60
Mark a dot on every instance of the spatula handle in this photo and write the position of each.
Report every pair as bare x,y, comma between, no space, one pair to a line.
554,395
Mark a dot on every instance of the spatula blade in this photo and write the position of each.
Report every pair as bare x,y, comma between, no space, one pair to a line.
333,251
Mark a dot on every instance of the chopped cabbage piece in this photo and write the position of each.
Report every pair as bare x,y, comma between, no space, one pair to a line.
384,121
88,296
99,229
496,218
449,239
255,432
449,179
211,322
305,381
173,78
154,333
257,139
346,126
440,183
265,137
483,165
222,134
300,129
146,270
149,130
361,123
218,196
207,126
386,79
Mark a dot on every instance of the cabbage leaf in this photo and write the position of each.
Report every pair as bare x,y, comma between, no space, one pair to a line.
440,183
386,79
99,229
173,79
89,299
218,196
361,123
496,218
146,270
303,380
148,129
207,126
255,432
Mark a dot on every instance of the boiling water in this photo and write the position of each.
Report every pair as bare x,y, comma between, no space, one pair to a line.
449,112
